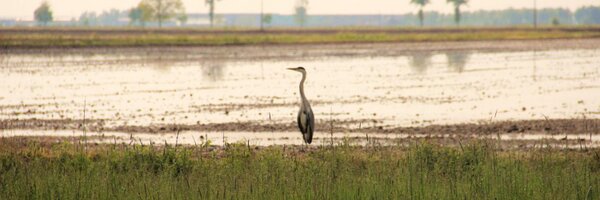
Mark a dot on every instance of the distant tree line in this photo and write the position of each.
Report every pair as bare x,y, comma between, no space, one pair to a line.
112,17
172,13
588,15
455,3
508,17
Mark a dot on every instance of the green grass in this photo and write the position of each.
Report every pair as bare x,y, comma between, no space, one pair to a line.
422,171
67,37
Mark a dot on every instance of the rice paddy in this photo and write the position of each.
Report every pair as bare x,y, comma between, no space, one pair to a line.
469,113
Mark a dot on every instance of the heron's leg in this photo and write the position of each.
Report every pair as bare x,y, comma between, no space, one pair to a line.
302,147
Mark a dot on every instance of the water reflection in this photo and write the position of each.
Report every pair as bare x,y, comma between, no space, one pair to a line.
533,75
213,70
160,63
121,92
457,60
2,58
420,61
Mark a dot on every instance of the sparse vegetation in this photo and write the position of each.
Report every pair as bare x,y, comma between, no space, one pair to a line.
475,170
73,37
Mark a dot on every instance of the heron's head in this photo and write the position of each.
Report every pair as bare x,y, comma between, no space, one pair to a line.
298,69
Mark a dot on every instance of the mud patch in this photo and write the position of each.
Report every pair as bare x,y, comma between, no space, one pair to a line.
550,127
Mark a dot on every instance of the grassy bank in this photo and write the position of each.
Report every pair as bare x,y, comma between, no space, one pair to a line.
117,37
30,170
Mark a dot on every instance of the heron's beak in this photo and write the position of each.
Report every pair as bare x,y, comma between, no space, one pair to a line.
293,69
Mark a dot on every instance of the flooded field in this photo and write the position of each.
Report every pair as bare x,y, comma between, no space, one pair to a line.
248,91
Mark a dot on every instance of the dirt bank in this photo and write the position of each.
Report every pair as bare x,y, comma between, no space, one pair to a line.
551,126
298,51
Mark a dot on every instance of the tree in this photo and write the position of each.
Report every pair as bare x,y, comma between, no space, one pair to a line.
555,21
457,4
161,10
88,18
140,14
135,16
588,15
267,19
262,15
300,12
182,19
110,17
147,13
43,14
211,10
421,4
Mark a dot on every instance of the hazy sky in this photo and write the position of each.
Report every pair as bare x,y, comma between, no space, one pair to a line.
65,9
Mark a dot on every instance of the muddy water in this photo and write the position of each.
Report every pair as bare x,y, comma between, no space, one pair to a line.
362,89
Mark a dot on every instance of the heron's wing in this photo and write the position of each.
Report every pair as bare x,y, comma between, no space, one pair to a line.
310,127
302,121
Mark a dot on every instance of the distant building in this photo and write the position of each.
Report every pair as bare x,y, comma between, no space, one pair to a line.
197,20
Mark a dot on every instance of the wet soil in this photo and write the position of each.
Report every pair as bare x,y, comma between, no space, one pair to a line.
221,99
297,51
550,126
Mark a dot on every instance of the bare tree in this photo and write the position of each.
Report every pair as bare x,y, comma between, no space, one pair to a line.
300,12
262,15
421,4
211,10
457,4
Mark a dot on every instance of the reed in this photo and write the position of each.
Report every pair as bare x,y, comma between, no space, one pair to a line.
475,170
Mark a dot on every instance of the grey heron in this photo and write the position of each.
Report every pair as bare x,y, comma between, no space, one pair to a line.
306,118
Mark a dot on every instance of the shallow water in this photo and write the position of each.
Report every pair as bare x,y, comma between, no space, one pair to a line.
409,89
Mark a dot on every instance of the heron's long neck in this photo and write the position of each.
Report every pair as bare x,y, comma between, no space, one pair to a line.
302,88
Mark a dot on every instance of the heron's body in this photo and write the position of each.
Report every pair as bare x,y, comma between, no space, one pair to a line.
306,118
